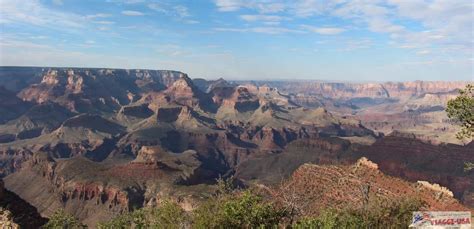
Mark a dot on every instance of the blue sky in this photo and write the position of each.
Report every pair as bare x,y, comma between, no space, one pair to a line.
347,40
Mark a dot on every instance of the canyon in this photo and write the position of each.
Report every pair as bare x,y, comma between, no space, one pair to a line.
101,142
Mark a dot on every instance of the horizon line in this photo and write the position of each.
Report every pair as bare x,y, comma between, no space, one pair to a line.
242,79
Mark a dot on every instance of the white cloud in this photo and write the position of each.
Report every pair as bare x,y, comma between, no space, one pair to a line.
39,37
418,23
181,11
34,13
274,30
306,8
423,52
259,17
191,22
126,1
99,15
262,6
324,30
177,12
103,28
271,7
157,7
229,5
132,13
104,22
266,30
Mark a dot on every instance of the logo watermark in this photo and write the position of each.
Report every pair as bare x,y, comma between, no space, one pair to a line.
441,219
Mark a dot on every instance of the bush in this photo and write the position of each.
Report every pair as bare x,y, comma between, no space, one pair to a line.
243,210
379,214
61,219
231,208
461,110
168,215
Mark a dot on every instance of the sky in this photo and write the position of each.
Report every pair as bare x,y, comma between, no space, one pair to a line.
343,40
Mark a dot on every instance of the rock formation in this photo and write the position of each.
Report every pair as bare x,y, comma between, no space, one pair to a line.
99,142
316,187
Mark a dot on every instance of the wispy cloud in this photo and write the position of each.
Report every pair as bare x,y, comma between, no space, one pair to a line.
442,19
157,7
323,30
99,15
127,1
132,13
34,13
104,22
265,30
423,52
181,11
262,6
229,5
177,12
262,18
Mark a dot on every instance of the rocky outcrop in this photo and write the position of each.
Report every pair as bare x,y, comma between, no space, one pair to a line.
138,111
316,187
241,100
437,188
414,160
6,220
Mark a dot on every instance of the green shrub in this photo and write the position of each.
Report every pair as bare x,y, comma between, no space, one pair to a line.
168,215
461,110
61,219
243,210
378,214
